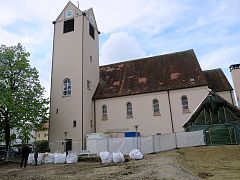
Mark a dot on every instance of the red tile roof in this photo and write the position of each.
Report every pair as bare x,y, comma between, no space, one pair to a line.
217,81
152,74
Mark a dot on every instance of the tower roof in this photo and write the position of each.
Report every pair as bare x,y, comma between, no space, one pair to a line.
70,11
234,66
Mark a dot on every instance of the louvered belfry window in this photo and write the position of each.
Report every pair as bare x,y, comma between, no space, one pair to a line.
68,26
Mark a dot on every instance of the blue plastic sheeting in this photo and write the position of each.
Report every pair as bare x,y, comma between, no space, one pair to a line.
132,134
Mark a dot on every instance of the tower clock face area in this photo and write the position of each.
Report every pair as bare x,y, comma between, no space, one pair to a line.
69,13
91,19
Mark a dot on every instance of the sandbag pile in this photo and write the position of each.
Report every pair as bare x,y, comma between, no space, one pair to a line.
71,158
59,158
135,154
48,158
106,157
53,158
118,157
30,158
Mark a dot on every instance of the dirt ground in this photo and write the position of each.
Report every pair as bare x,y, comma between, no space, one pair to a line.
216,162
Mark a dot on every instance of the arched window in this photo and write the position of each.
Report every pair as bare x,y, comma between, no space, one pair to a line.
104,112
129,110
67,87
156,110
185,103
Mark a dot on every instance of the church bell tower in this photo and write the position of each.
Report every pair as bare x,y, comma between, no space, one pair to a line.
74,78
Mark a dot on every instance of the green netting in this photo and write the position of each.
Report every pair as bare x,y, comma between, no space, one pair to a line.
237,133
216,134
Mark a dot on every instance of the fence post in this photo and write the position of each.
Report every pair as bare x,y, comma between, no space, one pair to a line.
154,150
108,144
175,140
159,136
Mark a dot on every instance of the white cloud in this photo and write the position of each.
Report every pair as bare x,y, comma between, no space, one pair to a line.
120,46
132,29
222,57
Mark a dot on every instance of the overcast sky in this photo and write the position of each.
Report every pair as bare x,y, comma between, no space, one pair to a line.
131,29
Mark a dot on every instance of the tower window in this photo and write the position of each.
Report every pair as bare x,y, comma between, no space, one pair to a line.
68,26
185,104
156,110
88,85
90,58
74,123
104,112
91,30
67,87
129,110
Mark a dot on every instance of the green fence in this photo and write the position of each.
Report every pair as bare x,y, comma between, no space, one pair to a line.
219,133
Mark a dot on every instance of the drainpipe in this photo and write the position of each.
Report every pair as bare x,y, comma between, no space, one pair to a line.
231,93
170,108
84,14
94,116
170,111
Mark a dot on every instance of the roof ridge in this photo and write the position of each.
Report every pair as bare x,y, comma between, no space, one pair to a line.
213,69
141,59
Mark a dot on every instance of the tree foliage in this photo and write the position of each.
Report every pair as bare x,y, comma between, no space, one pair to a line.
22,103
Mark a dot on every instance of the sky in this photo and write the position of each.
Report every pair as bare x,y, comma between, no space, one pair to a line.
131,29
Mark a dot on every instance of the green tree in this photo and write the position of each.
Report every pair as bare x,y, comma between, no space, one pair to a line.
22,102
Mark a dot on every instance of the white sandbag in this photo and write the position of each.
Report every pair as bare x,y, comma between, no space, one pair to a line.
118,157
59,158
31,159
106,157
48,158
135,154
71,158
40,159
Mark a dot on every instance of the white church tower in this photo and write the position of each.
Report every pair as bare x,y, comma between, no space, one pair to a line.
235,72
75,75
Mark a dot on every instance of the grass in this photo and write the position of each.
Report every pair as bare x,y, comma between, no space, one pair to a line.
212,162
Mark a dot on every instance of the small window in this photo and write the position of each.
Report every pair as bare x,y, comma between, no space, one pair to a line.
156,110
74,123
91,30
185,104
129,110
57,111
45,135
89,85
67,88
90,58
104,112
68,26
38,135
91,123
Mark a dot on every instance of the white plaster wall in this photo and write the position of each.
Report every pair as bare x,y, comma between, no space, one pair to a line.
236,82
195,97
142,114
226,95
143,111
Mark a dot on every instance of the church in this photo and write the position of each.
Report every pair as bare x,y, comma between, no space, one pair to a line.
154,94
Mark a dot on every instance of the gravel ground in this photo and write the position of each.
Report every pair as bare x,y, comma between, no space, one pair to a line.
154,166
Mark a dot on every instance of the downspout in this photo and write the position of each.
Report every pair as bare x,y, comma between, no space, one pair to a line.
94,116
172,119
84,14
50,109
170,111
231,93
